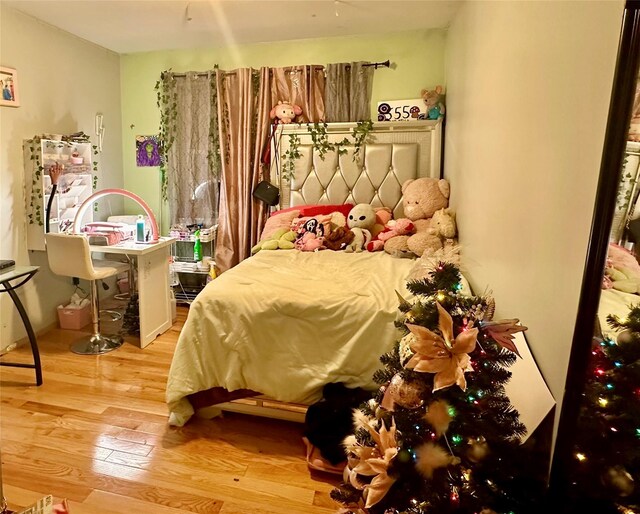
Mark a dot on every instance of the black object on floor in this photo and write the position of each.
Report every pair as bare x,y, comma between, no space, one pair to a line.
330,420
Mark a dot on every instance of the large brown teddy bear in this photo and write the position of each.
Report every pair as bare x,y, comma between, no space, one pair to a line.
421,198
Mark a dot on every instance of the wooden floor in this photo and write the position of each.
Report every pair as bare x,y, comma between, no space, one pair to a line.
96,433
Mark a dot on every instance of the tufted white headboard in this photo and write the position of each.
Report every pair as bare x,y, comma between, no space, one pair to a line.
395,152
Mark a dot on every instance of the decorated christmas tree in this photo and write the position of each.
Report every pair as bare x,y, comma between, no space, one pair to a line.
440,435
606,469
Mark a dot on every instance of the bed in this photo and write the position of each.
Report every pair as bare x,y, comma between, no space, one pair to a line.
285,323
622,276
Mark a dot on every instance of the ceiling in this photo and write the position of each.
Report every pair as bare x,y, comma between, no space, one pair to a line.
146,25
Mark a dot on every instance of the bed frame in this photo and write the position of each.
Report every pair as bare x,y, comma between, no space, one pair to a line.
393,153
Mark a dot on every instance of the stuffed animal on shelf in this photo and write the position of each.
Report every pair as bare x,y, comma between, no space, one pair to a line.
421,198
434,100
399,227
281,239
360,220
285,112
338,238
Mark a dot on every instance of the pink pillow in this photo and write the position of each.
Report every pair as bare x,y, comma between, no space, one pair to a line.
277,221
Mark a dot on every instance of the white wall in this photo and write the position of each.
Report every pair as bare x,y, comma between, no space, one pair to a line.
63,82
528,89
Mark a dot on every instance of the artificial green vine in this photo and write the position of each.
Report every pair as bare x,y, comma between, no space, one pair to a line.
167,103
290,157
35,199
321,144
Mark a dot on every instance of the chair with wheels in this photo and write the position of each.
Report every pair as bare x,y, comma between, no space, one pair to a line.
69,255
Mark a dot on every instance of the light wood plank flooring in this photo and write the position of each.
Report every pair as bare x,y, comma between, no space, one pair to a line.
96,433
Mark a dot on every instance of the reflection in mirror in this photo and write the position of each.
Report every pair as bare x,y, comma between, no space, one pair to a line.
605,469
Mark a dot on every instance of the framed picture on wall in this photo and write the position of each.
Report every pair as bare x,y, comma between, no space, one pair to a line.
9,87
148,152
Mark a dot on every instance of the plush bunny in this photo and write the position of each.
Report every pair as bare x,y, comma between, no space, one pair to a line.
285,112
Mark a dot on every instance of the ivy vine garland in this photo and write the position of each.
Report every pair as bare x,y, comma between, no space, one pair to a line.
167,103
320,142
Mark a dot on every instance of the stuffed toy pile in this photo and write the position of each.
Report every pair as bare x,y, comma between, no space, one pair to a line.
421,199
622,271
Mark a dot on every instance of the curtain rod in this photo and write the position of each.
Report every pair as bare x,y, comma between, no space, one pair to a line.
376,65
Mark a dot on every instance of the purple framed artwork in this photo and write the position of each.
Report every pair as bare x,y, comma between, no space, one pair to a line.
148,151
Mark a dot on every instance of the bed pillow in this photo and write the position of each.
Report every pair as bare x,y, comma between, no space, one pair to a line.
320,210
278,220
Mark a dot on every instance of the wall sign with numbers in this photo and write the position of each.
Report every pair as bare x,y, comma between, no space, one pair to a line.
401,110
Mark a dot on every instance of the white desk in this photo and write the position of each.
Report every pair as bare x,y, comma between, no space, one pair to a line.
152,283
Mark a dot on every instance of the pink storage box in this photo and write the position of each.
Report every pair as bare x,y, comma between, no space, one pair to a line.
74,319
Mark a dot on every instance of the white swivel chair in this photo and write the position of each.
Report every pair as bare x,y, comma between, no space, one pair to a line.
69,256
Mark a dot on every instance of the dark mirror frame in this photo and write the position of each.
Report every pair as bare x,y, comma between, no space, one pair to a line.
622,97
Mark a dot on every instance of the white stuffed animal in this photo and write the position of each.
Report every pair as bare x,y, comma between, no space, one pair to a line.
360,220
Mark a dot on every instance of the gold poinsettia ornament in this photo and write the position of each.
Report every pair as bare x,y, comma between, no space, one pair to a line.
373,461
446,356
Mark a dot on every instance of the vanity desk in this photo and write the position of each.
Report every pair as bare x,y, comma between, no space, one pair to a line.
151,268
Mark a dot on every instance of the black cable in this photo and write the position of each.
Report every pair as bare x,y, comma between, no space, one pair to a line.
54,187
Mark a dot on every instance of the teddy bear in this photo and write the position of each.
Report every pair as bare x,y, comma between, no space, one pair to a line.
360,220
281,239
421,198
434,100
285,112
399,227
338,238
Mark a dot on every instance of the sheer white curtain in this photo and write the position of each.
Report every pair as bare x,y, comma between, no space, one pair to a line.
193,159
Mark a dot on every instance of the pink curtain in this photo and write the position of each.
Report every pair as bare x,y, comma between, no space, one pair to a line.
303,86
244,102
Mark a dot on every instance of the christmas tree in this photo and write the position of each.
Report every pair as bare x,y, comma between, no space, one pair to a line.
606,470
440,436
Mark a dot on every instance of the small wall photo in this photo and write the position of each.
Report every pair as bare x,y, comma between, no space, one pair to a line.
9,87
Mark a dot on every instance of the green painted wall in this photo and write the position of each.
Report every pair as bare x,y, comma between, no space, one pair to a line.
418,58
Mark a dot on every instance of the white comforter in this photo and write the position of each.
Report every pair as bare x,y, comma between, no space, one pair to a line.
286,323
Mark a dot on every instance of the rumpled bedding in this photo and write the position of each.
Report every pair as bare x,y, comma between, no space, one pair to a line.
286,323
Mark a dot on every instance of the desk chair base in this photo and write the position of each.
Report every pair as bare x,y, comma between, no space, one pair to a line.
111,315
96,344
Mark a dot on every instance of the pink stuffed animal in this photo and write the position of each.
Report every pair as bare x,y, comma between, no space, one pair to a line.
310,242
285,112
399,227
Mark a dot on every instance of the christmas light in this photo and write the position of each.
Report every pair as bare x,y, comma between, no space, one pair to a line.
581,457
617,364
610,387
440,296
600,371
451,411
637,432
603,402
456,439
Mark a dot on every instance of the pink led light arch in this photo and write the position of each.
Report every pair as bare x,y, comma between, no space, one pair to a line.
77,221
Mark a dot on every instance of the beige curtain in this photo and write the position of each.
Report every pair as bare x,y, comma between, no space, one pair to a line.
348,91
303,86
192,172
244,102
